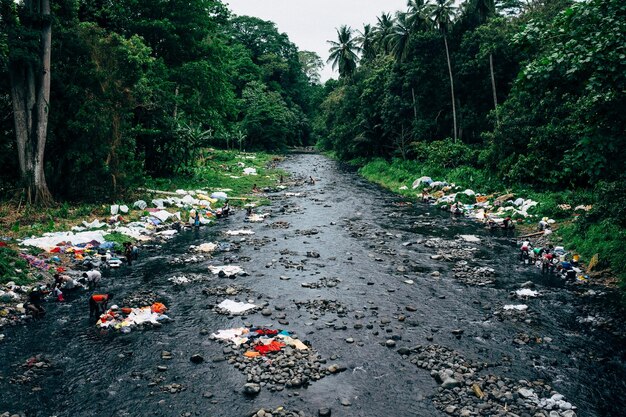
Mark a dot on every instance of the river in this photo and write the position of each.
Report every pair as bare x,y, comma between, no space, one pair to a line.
379,253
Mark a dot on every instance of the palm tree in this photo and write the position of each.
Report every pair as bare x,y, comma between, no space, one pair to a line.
417,14
343,54
383,29
399,37
366,42
484,9
442,13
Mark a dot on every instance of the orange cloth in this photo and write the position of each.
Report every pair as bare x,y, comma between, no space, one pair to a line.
251,354
158,308
100,297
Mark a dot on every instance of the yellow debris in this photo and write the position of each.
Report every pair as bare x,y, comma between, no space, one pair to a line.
593,262
479,393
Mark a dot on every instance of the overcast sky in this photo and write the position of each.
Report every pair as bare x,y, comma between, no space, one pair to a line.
309,24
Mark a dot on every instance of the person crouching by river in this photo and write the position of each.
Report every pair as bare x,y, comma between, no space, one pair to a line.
33,305
92,277
98,304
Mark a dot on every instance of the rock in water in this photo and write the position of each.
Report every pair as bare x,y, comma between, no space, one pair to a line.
450,383
251,389
196,359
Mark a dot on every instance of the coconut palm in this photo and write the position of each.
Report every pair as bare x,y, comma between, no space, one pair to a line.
418,15
344,52
366,42
442,13
399,37
383,29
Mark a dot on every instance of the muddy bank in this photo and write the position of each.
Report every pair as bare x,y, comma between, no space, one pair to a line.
401,315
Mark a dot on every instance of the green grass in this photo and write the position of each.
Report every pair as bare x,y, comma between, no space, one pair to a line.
604,238
216,171
13,268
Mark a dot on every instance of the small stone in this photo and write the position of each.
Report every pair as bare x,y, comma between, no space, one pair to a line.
450,409
411,308
349,340
251,389
324,412
390,343
196,359
449,383
404,351
346,402
266,312
161,368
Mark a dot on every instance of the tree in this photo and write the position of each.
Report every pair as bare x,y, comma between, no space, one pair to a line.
311,64
417,15
344,52
442,14
30,44
384,27
400,36
366,42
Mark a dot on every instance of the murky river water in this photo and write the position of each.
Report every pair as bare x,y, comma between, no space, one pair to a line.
362,239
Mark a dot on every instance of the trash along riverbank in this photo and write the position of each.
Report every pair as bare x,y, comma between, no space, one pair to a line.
337,298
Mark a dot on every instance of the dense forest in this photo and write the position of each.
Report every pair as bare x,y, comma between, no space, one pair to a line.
139,88
527,96
506,93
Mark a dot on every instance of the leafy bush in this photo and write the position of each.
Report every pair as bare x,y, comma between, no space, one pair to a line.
445,153
10,264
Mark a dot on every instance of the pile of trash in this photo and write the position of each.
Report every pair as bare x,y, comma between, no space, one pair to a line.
468,202
272,358
124,319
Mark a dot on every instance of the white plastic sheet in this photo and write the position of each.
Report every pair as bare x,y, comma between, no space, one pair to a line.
518,307
250,171
219,195
140,204
239,232
205,247
235,307
526,292
229,270
50,240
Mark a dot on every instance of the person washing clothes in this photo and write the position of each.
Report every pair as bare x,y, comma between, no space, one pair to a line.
98,304
93,278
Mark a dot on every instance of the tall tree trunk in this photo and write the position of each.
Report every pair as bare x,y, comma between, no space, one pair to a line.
493,89
414,104
445,40
30,96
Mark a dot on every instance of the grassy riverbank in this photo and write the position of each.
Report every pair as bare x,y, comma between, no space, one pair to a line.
218,170
587,233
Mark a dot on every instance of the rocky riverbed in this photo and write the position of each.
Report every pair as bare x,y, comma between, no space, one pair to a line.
398,309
